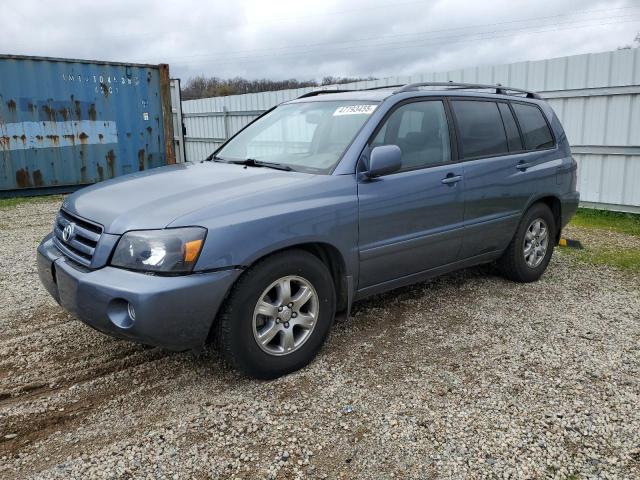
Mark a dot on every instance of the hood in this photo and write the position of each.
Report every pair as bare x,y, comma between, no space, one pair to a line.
156,198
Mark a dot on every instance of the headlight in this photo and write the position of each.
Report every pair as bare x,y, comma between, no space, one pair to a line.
174,250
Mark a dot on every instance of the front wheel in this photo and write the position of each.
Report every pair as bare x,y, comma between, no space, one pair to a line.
527,256
278,315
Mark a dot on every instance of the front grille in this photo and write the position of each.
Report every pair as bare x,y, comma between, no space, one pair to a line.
82,244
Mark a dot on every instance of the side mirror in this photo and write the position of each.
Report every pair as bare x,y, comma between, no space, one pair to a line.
384,160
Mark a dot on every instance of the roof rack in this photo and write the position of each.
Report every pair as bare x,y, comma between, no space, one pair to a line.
499,89
414,87
382,87
322,92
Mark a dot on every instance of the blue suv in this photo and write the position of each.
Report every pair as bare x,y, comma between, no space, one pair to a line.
321,201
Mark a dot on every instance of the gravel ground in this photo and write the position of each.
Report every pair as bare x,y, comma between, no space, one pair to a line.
465,376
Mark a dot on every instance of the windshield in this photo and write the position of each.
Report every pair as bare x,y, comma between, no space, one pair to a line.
304,136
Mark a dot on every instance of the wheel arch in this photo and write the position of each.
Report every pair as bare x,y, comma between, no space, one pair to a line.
335,262
328,254
555,205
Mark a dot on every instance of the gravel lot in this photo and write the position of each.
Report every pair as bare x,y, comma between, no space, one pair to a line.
465,376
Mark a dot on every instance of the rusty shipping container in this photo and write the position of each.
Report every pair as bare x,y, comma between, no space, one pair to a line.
67,123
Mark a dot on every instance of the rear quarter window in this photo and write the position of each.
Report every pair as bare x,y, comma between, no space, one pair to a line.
534,127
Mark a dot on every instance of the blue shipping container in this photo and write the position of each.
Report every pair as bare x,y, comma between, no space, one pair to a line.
67,123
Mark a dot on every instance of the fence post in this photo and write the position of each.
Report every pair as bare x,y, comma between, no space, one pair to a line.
225,118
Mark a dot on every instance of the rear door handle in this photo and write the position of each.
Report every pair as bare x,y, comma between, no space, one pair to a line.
522,166
451,179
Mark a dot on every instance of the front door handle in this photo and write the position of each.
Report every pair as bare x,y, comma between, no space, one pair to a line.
451,179
522,166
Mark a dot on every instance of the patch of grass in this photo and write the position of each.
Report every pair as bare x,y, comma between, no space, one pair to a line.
628,259
12,202
608,253
628,223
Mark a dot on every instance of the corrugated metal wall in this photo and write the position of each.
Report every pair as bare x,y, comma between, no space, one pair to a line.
176,119
596,96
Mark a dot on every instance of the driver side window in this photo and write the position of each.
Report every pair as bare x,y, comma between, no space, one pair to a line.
421,131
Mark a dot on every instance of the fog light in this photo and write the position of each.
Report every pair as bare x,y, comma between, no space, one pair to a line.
121,313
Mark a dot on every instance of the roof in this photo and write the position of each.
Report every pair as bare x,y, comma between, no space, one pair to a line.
423,89
371,95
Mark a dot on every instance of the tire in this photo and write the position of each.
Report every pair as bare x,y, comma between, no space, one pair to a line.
241,322
513,264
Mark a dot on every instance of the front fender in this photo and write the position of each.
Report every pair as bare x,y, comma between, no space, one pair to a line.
239,236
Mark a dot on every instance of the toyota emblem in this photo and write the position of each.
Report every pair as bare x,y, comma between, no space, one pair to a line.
67,233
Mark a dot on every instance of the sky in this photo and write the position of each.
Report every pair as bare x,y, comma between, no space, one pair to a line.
309,40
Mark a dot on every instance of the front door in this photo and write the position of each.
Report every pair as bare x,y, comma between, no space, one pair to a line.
412,220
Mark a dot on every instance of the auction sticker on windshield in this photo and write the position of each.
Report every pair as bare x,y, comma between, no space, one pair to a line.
355,110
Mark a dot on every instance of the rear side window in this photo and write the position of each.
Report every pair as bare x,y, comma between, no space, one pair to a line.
535,130
480,128
510,127
421,131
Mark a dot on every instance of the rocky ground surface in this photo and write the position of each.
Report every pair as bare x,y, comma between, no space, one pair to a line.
465,376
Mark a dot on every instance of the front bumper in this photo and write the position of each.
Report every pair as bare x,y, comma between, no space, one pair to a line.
174,312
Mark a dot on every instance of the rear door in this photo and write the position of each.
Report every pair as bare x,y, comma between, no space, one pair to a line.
541,165
411,221
489,144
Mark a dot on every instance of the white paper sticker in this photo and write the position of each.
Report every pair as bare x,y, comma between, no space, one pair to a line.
355,110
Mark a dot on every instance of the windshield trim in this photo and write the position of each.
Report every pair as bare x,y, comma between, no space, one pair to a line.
302,168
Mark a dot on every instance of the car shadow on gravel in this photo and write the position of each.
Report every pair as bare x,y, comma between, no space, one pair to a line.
391,309
368,318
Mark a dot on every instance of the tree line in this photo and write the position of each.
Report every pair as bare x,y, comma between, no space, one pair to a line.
635,44
204,87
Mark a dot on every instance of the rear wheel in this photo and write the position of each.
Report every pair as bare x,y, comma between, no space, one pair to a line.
527,256
278,315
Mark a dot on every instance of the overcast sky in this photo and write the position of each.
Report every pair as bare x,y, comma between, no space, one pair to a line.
297,39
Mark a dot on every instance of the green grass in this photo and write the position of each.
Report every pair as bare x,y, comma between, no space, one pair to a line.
623,258
627,259
12,202
628,223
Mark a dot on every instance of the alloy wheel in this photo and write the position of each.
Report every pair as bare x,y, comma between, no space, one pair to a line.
285,315
536,242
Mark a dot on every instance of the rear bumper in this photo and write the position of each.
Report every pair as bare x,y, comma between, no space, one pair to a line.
172,312
568,206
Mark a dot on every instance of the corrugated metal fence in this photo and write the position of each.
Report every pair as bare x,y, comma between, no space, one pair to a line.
596,96
176,119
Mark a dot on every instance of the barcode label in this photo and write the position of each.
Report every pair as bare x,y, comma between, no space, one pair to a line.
354,110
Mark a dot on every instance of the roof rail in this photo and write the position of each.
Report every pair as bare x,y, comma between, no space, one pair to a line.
414,87
382,87
499,89
322,92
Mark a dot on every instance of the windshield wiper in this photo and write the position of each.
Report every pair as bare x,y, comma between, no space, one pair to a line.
214,158
252,162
